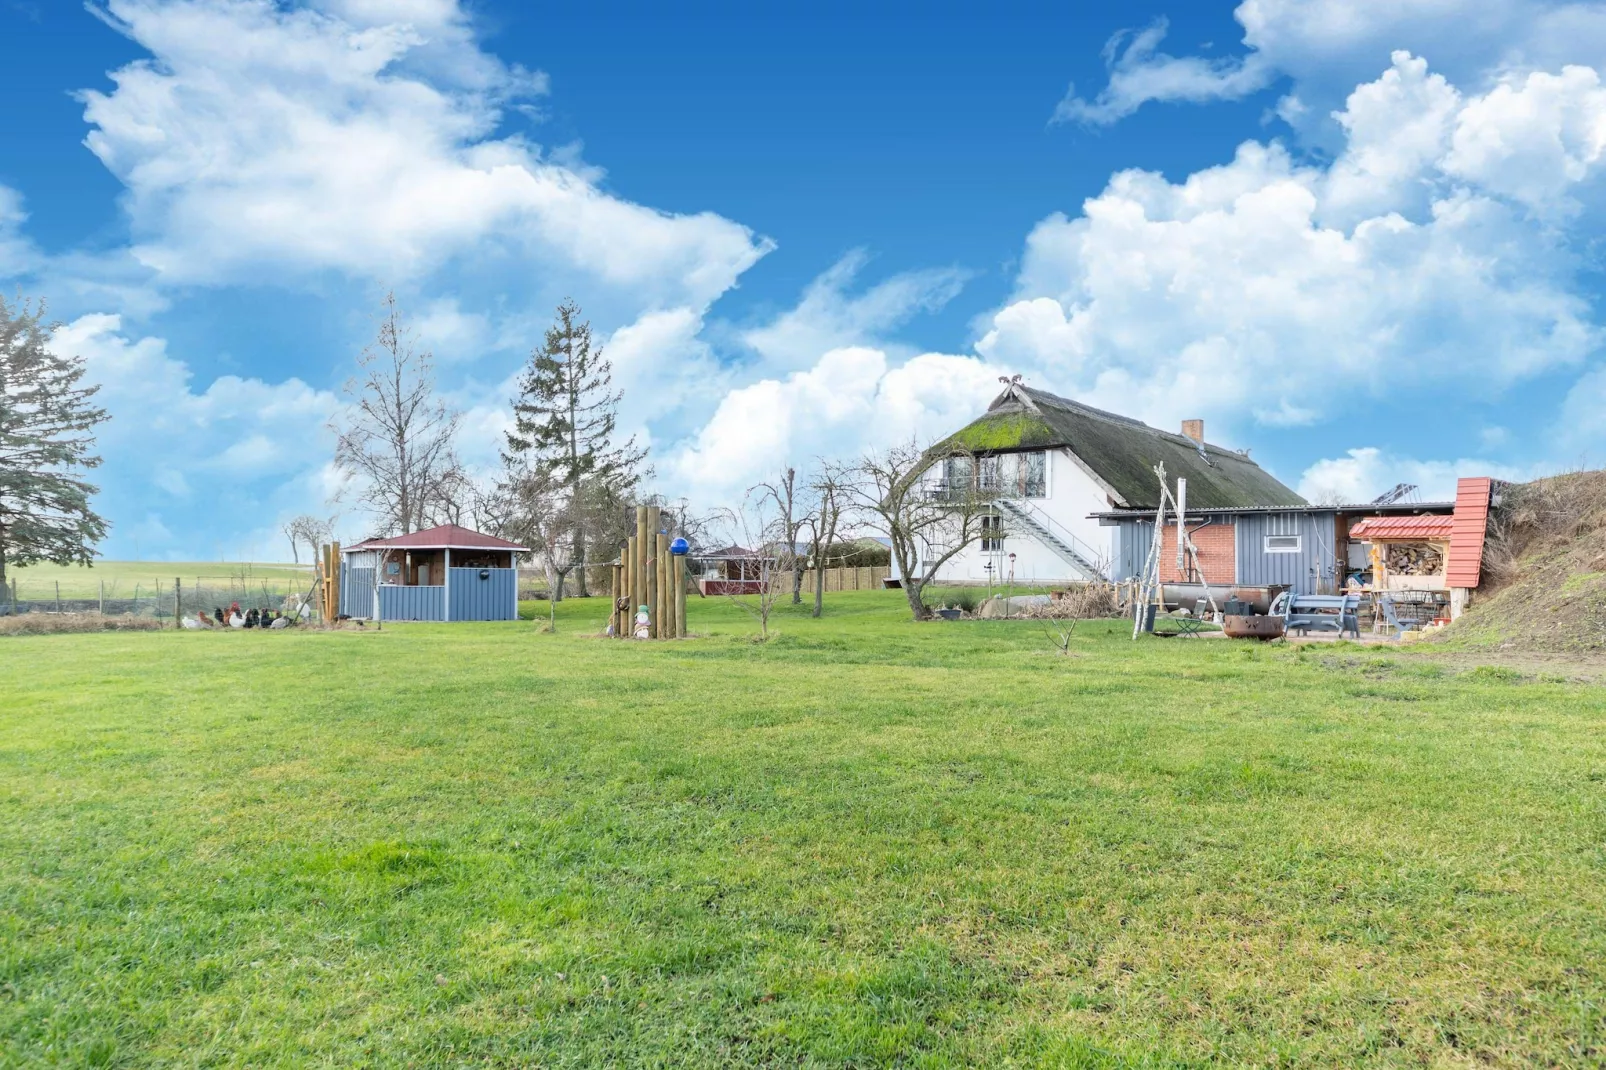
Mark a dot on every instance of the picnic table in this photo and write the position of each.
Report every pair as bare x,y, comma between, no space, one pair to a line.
1323,612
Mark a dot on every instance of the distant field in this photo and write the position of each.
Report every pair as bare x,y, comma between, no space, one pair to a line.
866,843
120,577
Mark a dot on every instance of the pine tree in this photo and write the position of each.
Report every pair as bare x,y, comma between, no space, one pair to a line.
565,417
46,425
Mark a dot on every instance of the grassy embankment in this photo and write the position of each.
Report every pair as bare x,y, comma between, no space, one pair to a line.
866,841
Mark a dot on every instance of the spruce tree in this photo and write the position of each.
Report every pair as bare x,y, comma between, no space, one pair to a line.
565,417
46,439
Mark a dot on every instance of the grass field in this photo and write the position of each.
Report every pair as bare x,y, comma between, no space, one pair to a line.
121,577
868,842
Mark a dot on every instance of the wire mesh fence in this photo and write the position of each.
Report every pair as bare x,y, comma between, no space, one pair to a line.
161,600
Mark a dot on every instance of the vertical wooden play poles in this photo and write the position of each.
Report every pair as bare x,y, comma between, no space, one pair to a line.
329,582
649,574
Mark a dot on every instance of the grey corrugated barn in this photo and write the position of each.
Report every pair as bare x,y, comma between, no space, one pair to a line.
445,573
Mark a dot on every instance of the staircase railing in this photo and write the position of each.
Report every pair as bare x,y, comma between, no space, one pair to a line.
1086,557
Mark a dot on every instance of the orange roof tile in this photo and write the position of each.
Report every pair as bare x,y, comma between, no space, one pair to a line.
1465,567
1401,528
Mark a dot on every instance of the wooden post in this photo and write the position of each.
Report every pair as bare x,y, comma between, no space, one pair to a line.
102,597
621,592
649,552
613,604
640,561
632,581
680,595
58,596
660,584
652,598
666,622
178,599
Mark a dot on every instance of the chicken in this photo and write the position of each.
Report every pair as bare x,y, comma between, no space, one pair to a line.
197,623
280,622
217,614
236,618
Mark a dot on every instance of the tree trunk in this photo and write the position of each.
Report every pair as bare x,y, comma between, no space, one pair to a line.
819,585
3,559
917,605
580,563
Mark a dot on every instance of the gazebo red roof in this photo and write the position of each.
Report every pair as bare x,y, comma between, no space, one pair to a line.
443,537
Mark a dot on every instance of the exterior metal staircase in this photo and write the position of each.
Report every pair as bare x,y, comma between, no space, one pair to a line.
1073,551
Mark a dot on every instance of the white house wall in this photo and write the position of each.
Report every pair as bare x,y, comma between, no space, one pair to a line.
1072,497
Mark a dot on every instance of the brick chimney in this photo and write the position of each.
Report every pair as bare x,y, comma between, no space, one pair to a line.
1194,429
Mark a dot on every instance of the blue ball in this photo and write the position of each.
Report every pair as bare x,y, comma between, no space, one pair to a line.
679,547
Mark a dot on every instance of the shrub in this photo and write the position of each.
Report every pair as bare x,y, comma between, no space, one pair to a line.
965,598
58,623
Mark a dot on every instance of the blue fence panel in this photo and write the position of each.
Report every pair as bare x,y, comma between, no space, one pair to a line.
412,603
487,598
356,591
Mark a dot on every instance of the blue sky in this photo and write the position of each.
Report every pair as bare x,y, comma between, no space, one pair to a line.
1355,237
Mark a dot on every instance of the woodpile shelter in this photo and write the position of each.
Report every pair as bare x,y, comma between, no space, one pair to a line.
1407,553
444,573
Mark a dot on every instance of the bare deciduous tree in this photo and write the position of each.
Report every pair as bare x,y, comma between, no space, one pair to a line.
310,530
396,442
830,490
928,505
792,516
757,523
537,508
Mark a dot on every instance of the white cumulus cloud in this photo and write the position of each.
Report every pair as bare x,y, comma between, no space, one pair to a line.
1269,290
243,449
852,399
358,137
1366,472
1325,47
829,317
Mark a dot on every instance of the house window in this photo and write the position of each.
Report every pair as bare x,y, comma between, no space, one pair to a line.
988,470
957,474
992,532
1008,475
1034,474
1283,544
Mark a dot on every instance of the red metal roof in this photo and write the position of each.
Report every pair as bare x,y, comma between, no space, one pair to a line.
446,536
1402,528
1465,567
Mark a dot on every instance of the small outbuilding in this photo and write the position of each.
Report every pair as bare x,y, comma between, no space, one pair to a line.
1407,553
444,573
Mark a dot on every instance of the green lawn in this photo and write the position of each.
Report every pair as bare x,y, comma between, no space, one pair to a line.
121,577
869,842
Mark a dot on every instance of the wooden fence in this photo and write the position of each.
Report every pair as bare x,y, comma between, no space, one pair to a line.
865,578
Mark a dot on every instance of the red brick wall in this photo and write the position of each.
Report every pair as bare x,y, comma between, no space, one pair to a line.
1218,555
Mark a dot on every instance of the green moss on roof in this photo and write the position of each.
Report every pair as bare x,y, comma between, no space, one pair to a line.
1003,431
1122,451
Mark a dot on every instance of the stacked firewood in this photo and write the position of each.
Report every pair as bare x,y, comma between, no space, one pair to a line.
1414,559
